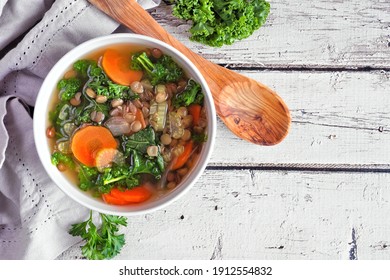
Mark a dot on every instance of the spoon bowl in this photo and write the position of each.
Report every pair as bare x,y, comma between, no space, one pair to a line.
251,110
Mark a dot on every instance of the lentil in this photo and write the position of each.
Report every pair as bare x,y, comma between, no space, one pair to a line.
137,87
165,139
101,99
152,151
50,132
116,102
171,185
136,126
91,93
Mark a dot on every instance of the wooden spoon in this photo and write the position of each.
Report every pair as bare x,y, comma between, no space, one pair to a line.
251,110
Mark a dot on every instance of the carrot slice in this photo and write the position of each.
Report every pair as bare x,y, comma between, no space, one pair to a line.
109,199
117,67
194,111
87,141
135,195
179,161
139,116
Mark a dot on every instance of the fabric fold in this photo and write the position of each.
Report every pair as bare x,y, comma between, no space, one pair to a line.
35,215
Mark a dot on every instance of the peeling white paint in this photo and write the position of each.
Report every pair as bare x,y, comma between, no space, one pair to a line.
341,120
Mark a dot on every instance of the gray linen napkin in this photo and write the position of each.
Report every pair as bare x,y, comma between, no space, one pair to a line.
35,215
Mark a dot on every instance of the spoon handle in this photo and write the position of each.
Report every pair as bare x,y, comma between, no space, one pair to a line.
141,22
249,109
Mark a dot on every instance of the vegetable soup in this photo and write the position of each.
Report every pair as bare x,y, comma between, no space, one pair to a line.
127,124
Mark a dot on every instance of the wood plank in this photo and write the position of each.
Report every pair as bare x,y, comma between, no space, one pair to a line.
338,118
320,34
245,214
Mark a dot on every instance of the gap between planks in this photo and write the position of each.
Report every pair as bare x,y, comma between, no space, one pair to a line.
352,168
303,34
303,68
266,215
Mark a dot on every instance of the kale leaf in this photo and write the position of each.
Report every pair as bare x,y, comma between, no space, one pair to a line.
127,175
102,182
120,176
101,84
87,177
199,138
135,147
84,66
159,71
192,94
116,91
141,61
82,113
139,141
143,164
58,116
68,88
222,22
58,157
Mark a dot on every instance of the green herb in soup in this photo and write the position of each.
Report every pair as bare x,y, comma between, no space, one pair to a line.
127,125
162,70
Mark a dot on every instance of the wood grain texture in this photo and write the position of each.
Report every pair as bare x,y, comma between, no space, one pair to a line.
338,118
251,110
267,215
320,34
340,122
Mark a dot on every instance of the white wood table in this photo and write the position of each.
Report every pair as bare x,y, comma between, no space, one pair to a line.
324,192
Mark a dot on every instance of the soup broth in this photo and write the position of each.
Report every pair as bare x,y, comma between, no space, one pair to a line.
127,125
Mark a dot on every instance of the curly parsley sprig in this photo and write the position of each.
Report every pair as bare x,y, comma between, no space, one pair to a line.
101,243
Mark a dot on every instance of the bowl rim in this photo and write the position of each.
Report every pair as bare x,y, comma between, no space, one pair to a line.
40,123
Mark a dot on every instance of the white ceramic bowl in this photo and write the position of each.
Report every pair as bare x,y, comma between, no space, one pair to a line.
41,123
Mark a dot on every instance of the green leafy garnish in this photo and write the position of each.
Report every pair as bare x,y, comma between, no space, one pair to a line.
87,177
59,116
87,67
102,86
135,146
117,176
100,83
68,88
191,95
141,61
143,164
102,182
127,175
199,138
103,242
58,157
222,22
82,113
159,71
139,141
